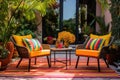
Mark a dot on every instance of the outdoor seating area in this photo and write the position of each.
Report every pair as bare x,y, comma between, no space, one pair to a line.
59,39
28,51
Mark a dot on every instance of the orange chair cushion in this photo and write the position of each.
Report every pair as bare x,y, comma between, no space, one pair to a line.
87,53
19,39
106,37
39,53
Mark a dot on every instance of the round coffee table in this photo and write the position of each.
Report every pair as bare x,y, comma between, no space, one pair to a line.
66,50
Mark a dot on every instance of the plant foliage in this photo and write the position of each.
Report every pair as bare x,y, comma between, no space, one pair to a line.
104,5
9,10
115,12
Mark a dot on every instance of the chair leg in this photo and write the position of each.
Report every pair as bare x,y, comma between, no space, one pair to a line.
98,65
35,60
106,63
29,65
77,62
19,62
48,62
87,61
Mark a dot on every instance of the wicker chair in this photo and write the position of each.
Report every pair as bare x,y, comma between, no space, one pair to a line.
81,51
24,53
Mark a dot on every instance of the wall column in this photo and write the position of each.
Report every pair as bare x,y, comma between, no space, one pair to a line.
107,16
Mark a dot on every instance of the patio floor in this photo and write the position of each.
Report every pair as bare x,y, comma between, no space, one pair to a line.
60,55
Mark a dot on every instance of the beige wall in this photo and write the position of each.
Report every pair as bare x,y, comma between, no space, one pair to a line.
107,14
98,13
108,17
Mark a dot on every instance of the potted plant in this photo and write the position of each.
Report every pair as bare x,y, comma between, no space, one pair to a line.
115,48
49,39
66,37
115,12
7,27
86,30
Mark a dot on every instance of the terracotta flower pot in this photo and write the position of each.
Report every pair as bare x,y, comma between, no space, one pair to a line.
7,60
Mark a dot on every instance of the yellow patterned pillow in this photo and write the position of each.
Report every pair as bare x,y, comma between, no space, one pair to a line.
93,36
19,39
106,37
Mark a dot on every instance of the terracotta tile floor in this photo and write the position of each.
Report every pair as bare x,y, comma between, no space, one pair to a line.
73,56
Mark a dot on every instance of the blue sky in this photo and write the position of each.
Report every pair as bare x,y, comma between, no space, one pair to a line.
69,9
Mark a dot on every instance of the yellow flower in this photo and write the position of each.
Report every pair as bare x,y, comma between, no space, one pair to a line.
66,37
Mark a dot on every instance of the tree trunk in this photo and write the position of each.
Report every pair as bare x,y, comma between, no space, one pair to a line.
39,25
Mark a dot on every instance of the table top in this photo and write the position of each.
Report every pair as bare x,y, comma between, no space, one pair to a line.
61,49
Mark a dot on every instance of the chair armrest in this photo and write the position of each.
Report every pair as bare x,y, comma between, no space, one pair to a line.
46,46
22,51
111,40
80,46
104,51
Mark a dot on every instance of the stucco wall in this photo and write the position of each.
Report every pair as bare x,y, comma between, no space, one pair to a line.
107,14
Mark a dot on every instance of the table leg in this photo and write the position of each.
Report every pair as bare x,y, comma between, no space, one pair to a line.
66,59
70,58
50,58
54,58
